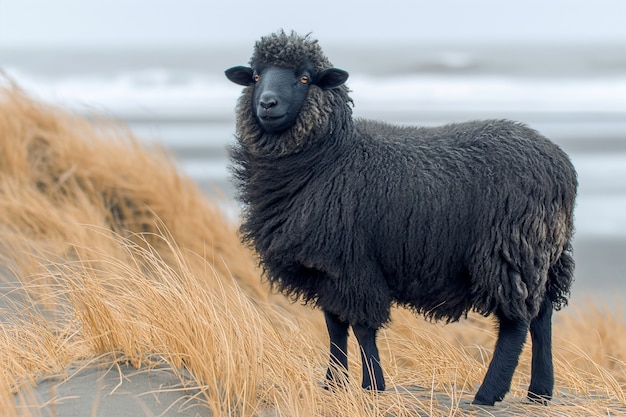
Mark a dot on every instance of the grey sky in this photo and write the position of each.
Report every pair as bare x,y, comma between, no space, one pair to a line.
89,22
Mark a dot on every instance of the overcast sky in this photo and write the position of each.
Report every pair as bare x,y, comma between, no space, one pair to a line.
115,22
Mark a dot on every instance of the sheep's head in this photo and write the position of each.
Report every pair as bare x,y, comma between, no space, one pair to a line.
280,92
286,84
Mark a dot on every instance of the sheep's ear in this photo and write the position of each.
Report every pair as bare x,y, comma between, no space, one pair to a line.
239,75
331,78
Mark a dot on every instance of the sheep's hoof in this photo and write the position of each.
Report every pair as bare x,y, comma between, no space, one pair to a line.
539,399
482,402
332,386
484,397
481,399
374,387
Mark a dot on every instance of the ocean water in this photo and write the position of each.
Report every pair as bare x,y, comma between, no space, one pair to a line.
574,94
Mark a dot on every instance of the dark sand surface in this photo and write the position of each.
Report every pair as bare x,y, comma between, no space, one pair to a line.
112,390
119,390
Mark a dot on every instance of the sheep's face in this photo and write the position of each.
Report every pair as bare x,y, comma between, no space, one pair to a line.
280,92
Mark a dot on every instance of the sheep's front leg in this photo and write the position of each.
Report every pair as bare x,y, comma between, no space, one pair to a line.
337,372
372,371
497,382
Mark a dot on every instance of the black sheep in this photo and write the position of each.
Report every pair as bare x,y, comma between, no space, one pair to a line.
356,215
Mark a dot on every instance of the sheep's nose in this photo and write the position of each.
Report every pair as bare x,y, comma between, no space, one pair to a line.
268,100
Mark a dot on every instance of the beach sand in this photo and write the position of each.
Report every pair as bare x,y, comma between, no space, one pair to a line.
120,390
110,390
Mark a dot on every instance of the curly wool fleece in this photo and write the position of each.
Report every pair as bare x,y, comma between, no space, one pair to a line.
289,51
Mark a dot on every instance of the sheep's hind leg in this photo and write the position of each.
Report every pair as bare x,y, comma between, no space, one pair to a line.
372,371
542,373
497,382
337,372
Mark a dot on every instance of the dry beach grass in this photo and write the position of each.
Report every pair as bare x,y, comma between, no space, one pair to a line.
111,260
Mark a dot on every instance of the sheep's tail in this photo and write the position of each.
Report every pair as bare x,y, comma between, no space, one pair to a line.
560,277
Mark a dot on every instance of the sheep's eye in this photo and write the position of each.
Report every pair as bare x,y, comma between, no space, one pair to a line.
256,78
304,79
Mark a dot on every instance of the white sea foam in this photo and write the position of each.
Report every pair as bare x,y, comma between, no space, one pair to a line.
150,92
160,92
491,92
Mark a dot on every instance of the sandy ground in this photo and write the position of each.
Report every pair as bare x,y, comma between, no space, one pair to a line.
119,390
112,390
